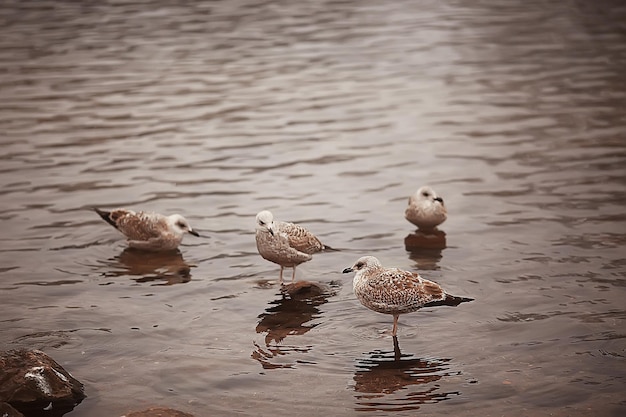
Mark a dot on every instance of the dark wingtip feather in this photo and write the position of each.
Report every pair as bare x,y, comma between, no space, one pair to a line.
106,216
450,300
327,248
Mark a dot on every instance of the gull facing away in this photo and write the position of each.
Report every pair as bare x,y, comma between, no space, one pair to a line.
148,231
394,291
426,209
285,244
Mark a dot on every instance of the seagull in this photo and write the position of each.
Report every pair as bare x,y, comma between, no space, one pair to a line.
426,209
148,231
394,291
285,244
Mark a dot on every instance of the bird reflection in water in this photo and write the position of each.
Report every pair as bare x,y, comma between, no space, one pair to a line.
425,248
385,372
163,268
288,316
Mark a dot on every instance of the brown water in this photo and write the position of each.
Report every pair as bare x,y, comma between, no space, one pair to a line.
329,113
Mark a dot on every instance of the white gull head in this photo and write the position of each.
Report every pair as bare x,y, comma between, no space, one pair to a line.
365,263
425,195
180,225
265,222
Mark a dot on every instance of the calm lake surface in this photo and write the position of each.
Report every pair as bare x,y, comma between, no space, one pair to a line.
329,114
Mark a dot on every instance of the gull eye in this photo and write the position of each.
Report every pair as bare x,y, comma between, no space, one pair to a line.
425,193
359,265
261,222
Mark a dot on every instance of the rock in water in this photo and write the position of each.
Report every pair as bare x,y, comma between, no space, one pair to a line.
158,412
31,382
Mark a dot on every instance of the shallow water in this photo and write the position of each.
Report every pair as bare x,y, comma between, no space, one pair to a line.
328,113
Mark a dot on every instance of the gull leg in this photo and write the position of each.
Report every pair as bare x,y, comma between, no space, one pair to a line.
396,349
395,324
293,276
281,274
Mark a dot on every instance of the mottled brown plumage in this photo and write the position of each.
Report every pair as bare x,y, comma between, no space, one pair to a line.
146,230
283,243
394,291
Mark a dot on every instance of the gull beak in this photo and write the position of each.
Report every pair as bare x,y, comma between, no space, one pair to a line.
270,228
438,199
193,232
345,271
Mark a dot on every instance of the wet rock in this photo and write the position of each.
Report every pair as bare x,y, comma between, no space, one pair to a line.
31,382
304,290
158,412
434,239
7,411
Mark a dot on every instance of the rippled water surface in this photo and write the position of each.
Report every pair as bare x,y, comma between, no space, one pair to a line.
330,114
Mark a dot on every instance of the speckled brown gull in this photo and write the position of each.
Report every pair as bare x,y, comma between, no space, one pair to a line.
146,230
285,244
394,291
426,209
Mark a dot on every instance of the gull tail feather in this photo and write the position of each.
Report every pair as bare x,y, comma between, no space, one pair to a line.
327,248
450,300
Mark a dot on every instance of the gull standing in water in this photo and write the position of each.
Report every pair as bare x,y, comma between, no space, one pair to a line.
148,231
394,291
285,244
426,209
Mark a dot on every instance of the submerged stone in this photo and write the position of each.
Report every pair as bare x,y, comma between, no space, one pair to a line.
304,289
158,412
33,383
434,239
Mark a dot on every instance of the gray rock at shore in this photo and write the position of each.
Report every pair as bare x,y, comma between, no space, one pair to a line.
31,381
